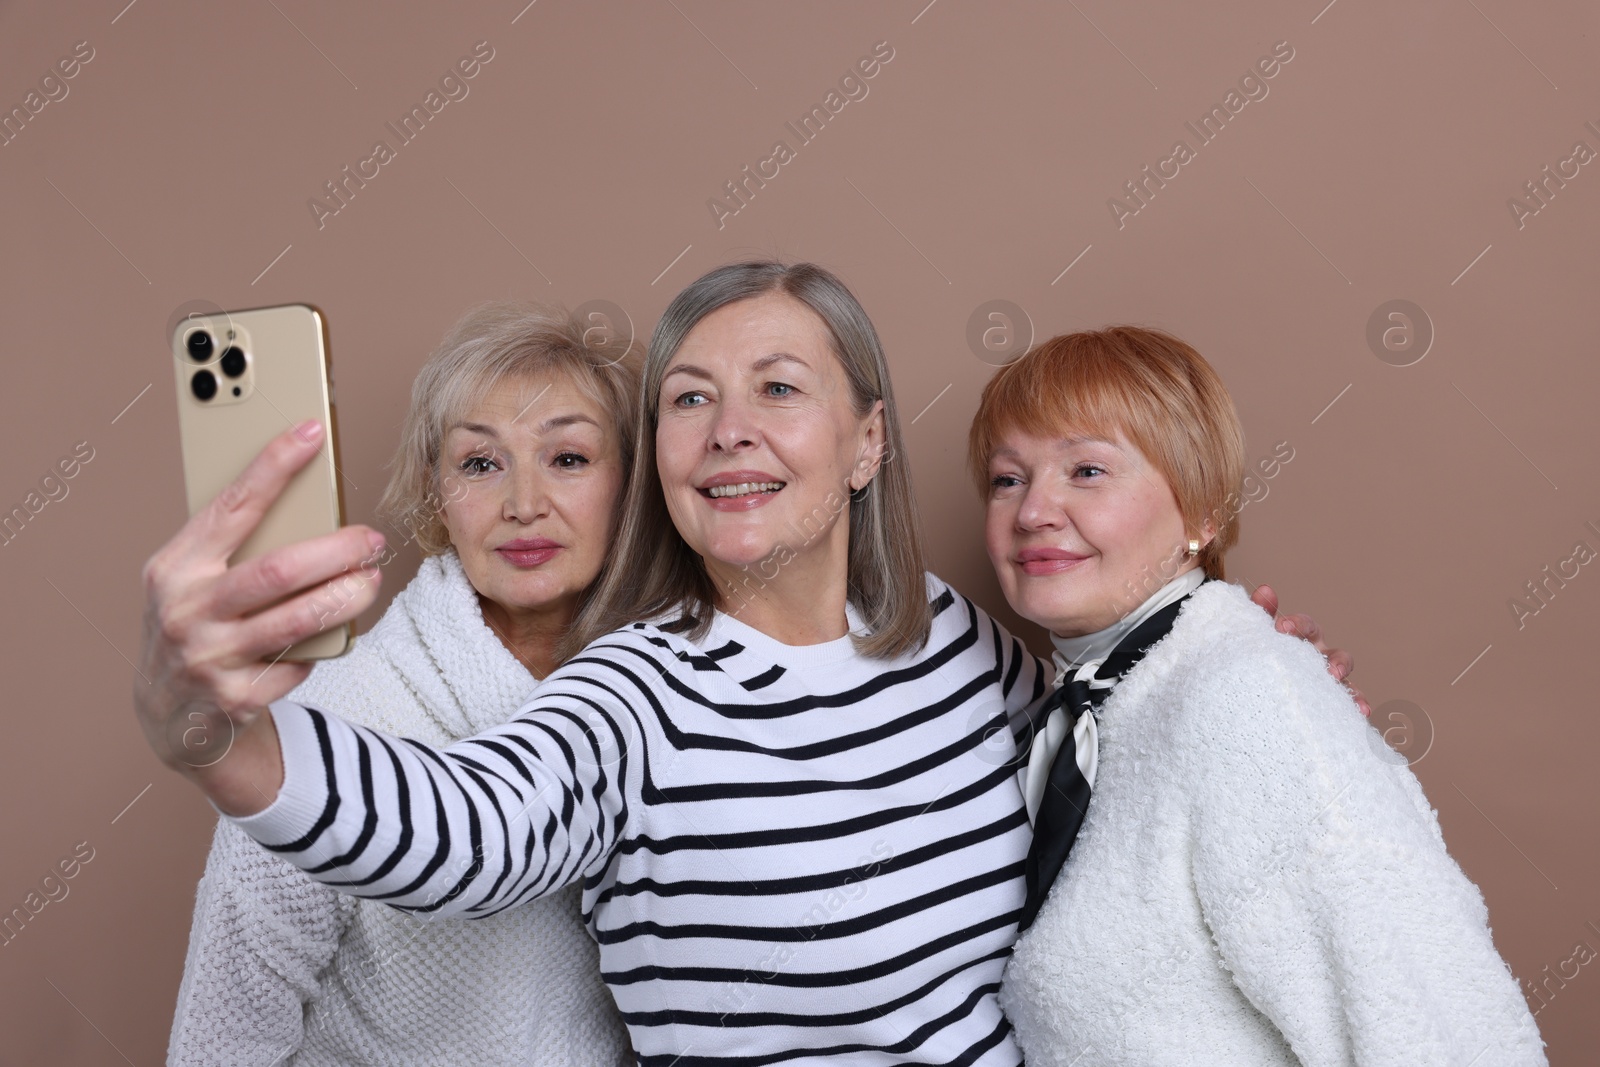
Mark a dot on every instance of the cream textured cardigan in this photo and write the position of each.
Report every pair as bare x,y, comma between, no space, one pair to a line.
282,970
1259,880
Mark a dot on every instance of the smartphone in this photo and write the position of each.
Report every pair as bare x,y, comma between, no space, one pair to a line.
243,378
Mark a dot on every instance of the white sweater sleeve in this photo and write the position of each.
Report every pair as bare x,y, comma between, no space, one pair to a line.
1323,876
513,813
262,935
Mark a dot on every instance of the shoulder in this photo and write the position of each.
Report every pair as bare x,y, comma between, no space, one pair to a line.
637,655
939,590
1265,725
1242,698
1225,648
954,613
959,623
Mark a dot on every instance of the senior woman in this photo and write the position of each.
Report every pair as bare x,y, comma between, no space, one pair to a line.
511,465
769,767
1257,879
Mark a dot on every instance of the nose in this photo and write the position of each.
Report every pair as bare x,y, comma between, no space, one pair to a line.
1041,510
734,428
527,495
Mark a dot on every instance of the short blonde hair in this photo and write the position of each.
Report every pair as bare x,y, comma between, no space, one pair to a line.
490,343
1154,389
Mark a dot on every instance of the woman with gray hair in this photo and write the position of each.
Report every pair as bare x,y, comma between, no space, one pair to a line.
770,767
511,464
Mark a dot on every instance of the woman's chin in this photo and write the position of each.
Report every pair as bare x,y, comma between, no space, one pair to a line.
740,553
1064,616
525,592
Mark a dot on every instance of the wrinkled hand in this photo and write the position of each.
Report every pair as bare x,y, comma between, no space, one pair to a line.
1340,663
213,634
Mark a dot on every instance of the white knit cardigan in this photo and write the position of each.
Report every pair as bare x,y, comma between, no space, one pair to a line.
1258,880
282,970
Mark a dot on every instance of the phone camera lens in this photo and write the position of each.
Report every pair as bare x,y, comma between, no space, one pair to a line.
204,385
200,346
233,361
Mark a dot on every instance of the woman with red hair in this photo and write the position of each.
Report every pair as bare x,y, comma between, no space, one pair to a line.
1228,865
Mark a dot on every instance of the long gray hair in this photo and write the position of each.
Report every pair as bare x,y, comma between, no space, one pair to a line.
654,571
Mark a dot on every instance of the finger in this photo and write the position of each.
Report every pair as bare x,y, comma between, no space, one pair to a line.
1302,626
1361,700
266,635
217,530
267,579
1265,599
1340,664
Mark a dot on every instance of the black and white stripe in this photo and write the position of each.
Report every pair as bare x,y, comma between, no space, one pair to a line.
789,854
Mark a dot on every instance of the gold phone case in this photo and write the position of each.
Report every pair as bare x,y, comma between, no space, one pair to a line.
263,371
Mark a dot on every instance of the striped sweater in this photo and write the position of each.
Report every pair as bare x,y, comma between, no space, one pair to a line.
788,854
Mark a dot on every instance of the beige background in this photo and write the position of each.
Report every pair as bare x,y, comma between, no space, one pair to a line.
977,168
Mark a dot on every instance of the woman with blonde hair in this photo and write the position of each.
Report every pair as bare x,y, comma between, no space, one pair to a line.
1228,865
512,461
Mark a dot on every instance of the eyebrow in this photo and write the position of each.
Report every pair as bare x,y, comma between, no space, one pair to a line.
760,365
779,357
476,427
1068,442
687,368
558,421
555,422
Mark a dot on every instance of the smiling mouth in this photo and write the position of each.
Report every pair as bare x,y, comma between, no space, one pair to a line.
742,489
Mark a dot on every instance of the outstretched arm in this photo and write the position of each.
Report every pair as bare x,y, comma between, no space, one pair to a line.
516,812
489,821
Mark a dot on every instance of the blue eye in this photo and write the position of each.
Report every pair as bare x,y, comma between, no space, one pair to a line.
1082,467
689,400
1004,481
774,387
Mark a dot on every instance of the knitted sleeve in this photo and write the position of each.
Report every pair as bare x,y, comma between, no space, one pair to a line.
1323,876
262,934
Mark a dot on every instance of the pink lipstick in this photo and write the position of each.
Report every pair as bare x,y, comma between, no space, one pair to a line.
529,551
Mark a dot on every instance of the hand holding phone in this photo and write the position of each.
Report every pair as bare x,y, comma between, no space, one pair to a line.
243,377
213,632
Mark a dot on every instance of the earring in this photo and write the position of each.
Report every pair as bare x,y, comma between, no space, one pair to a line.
1194,547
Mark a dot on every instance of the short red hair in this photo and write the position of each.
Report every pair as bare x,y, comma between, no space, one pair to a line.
1155,390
